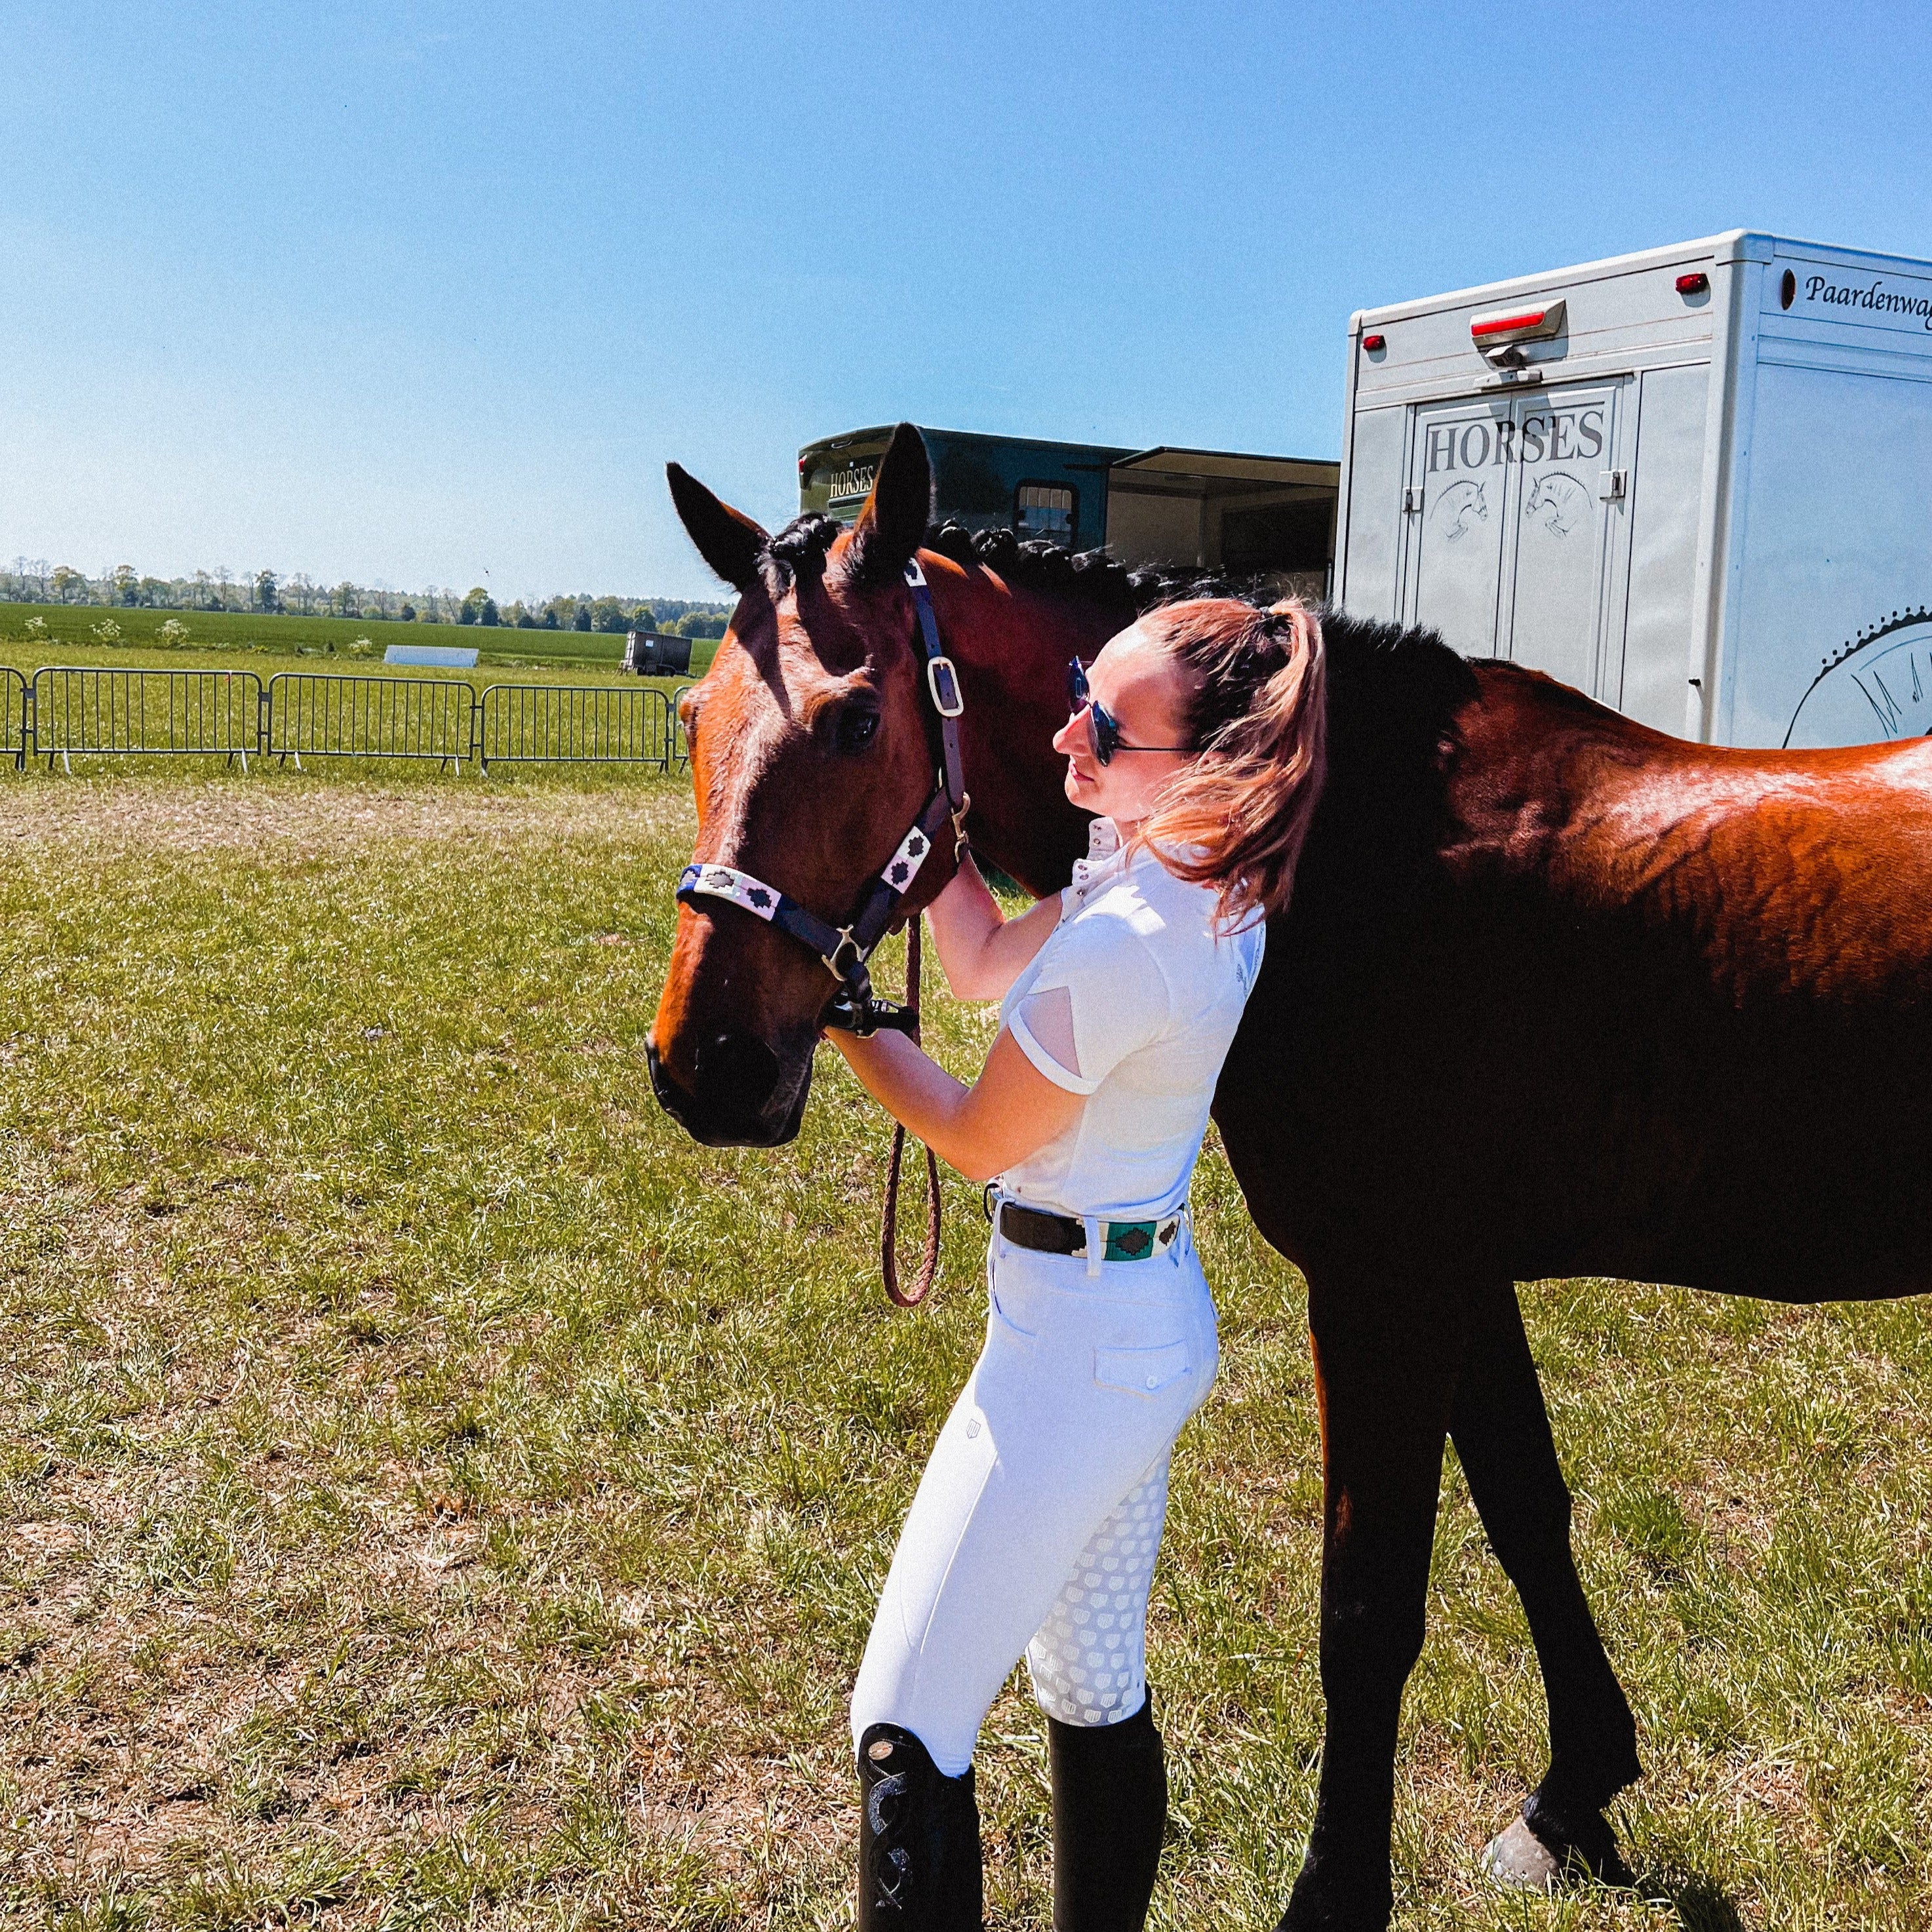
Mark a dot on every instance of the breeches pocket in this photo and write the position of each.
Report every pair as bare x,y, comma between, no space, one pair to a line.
1158,1348
1012,1313
1007,1319
1143,1371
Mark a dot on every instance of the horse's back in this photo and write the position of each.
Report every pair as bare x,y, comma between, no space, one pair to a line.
1804,876
1658,1010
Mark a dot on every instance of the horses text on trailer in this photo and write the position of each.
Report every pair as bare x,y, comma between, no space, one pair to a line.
1696,483
1270,517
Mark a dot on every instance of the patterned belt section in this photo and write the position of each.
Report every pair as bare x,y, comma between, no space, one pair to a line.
1061,1235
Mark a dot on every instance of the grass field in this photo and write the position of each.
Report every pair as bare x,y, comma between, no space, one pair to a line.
435,1494
72,627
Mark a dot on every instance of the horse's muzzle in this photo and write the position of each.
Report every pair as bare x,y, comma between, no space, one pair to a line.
740,1098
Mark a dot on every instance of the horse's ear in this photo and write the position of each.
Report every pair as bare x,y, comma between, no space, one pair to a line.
893,523
727,540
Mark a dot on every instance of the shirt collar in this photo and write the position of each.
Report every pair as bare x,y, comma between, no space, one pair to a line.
1103,860
1103,839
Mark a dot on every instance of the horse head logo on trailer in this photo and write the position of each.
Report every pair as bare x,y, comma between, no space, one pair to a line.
1878,687
1558,502
1460,506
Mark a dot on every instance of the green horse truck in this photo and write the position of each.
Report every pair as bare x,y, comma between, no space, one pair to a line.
1265,516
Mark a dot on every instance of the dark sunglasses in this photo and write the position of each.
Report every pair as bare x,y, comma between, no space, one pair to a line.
1101,724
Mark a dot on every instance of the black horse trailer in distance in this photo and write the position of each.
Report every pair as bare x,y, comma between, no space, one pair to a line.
656,654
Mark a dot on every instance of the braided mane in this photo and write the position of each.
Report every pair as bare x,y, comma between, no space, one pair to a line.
1093,577
1401,684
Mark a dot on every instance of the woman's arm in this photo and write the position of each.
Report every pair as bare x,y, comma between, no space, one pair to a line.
1010,1112
981,951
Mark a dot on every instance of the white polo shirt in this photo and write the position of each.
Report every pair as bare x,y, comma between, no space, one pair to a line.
1156,995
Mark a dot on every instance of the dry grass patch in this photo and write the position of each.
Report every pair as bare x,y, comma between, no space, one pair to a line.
274,810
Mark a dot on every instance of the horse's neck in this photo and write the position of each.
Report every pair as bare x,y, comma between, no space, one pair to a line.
1012,648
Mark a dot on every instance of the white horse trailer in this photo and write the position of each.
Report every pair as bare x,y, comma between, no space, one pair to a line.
1696,483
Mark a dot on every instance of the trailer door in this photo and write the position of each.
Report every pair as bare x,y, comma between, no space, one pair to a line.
1452,505
1565,517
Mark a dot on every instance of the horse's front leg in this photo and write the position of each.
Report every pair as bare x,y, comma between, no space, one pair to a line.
1385,1372
1501,1433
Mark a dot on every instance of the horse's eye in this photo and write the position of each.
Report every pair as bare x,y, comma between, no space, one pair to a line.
857,728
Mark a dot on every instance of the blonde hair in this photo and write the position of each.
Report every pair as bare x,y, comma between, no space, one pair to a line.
1236,817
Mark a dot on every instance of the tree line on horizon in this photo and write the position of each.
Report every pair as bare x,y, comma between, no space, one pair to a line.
34,580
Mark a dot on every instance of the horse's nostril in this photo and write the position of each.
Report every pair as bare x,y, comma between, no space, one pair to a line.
738,1069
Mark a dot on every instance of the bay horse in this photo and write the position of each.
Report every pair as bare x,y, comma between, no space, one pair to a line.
1556,995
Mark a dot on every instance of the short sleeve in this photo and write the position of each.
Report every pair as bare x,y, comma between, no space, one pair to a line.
1119,995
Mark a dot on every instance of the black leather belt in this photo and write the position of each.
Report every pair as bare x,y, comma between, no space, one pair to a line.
1061,1235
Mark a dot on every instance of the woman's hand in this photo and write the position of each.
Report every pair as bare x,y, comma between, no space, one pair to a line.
1011,1111
981,951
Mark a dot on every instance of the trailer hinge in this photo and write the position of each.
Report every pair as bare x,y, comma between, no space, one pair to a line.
1411,500
1613,486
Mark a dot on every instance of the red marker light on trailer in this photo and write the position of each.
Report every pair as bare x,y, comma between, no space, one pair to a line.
1485,326
1498,333
1372,343
1692,284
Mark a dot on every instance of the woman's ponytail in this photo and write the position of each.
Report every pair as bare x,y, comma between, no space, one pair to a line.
1235,819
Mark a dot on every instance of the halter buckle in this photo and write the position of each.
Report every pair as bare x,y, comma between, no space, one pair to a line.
845,961
942,679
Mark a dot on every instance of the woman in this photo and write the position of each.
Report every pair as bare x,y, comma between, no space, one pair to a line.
1196,740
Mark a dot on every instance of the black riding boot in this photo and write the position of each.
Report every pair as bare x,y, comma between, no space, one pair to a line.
1109,1810
919,1840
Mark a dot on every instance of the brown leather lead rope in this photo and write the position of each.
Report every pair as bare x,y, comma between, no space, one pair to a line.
889,1219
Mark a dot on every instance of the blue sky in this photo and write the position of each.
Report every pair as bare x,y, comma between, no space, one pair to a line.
423,292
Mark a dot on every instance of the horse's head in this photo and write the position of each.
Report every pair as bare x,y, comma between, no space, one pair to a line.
812,752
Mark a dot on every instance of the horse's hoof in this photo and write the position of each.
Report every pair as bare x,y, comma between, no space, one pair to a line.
1517,1858
1540,1857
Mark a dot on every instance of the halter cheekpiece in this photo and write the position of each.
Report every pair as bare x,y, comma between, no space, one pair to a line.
847,950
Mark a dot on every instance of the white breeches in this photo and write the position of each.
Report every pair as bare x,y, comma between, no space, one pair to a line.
1038,1517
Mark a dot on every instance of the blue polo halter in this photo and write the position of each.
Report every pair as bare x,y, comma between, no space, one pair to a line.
847,950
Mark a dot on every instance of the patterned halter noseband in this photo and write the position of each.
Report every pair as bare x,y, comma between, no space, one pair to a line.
847,950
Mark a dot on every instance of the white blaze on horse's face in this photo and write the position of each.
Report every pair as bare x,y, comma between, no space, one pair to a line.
810,757
1137,681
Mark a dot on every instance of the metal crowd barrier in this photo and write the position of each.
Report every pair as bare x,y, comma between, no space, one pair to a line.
70,708
331,717
13,726
66,711
564,724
